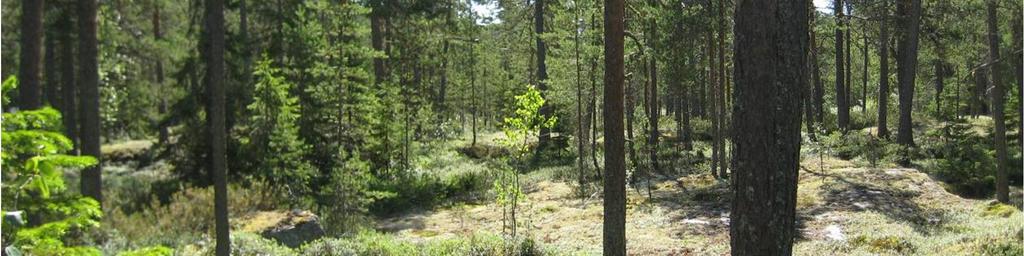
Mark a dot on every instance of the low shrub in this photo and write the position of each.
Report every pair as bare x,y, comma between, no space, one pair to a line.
860,144
885,244
372,243
149,251
426,190
998,209
964,159
243,244
186,218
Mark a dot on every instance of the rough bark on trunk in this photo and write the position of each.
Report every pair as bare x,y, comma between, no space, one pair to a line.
614,158
51,90
88,48
767,124
214,60
377,41
998,100
31,53
906,68
542,70
70,91
883,77
843,107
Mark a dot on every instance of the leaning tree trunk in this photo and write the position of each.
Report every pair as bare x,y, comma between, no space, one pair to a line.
767,124
614,147
29,90
998,100
906,68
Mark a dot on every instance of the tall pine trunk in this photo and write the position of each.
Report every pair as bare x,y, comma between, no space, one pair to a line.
998,100
906,68
68,87
91,182
31,54
842,104
614,147
214,60
883,77
1018,63
652,101
819,88
767,124
542,70
723,84
163,133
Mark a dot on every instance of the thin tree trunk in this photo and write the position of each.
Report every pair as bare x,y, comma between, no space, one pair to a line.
593,116
907,68
841,100
69,89
767,123
850,101
723,84
819,88
713,70
472,85
864,78
998,100
31,54
883,77
1018,47
158,36
654,110
580,132
939,84
614,157
542,70
91,182
214,59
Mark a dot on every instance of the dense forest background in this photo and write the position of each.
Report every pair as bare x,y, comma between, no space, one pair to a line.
397,127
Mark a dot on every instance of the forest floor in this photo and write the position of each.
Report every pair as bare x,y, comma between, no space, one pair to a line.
844,207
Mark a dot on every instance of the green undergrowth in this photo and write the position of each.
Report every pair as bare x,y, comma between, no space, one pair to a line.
373,243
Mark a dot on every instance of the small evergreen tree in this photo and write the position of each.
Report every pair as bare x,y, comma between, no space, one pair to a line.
277,150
